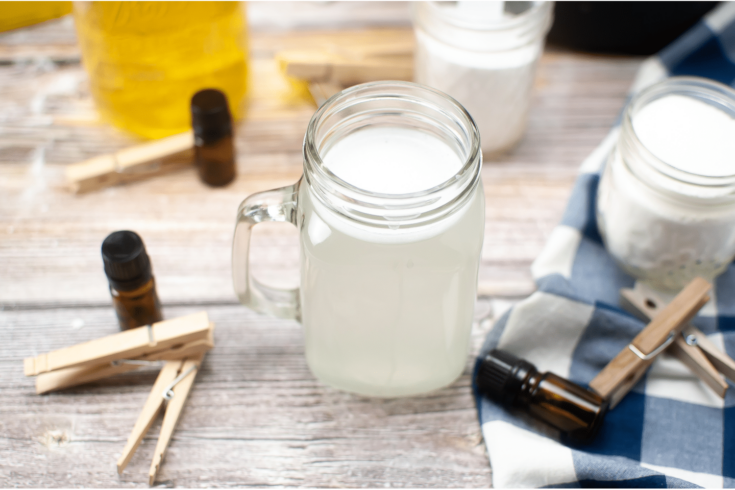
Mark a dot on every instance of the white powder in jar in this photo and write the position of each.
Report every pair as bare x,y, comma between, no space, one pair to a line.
493,82
688,134
665,238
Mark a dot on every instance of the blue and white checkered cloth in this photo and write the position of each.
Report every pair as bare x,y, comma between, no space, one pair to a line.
670,430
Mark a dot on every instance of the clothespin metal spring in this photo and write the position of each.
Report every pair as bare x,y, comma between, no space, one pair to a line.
657,350
691,339
136,362
168,392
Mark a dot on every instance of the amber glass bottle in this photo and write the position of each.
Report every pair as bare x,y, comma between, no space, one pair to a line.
214,148
565,405
132,285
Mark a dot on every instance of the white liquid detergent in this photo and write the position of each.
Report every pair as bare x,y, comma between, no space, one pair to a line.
388,312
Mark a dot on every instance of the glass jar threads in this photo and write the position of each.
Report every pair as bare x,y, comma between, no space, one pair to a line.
666,199
484,54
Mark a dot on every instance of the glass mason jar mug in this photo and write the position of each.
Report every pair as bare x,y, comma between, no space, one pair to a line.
390,212
666,199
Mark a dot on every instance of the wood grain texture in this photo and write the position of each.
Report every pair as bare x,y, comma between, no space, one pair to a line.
256,415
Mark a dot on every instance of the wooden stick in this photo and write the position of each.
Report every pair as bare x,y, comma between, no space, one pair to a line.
173,411
129,344
133,163
149,413
74,376
615,380
646,306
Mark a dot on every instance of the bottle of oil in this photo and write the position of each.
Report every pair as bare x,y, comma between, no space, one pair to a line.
21,14
516,383
147,59
132,285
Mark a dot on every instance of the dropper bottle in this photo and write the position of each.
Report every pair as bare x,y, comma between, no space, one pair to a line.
214,149
516,383
132,285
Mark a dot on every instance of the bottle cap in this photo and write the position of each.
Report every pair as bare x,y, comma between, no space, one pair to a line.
210,115
501,375
126,262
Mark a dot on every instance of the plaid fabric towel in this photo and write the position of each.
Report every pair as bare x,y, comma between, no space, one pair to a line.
670,430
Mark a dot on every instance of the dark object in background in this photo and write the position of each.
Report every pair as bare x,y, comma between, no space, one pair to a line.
213,145
516,383
641,28
132,285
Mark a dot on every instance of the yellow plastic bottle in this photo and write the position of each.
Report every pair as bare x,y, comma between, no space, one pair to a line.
147,59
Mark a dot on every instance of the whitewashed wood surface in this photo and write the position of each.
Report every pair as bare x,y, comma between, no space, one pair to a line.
256,416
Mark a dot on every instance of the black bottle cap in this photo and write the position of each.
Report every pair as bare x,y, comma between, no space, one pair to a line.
126,262
210,115
501,375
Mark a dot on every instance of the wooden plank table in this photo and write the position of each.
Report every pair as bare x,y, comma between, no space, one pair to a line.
256,415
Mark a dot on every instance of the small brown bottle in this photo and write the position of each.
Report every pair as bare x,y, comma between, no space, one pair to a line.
132,285
214,150
565,405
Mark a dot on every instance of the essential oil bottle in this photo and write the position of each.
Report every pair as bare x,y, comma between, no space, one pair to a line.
132,285
214,150
516,383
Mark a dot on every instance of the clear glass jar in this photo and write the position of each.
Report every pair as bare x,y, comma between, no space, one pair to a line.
484,54
388,279
665,225
147,59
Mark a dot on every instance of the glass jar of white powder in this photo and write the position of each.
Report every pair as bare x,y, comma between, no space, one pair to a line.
666,200
484,54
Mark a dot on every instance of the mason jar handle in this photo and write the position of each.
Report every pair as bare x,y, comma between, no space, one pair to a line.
274,205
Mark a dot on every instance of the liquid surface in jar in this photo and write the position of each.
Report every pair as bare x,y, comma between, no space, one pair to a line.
391,160
688,134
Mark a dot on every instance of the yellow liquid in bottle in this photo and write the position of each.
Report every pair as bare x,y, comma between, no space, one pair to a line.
20,14
147,59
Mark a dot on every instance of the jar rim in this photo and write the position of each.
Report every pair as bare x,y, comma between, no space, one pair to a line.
714,92
493,24
369,206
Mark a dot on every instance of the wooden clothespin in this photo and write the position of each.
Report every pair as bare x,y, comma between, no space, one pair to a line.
390,59
172,385
133,163
692,347
130,344
73,376
334,66
180,343
624,371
